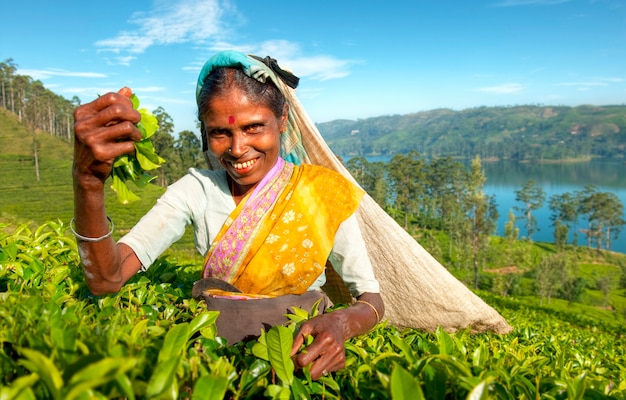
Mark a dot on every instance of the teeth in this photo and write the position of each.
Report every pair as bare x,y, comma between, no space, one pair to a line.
244,164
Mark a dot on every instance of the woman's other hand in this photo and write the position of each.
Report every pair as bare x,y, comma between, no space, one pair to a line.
327,352
331,330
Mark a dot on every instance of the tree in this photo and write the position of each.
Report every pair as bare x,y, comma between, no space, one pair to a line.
481,215
358,167
407,176
549,274
511,231
446,179
532,197
380,191
189,148
371,176
564,211
163,142
604,212
7,72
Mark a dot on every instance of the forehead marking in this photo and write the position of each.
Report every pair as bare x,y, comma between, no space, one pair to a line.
231,119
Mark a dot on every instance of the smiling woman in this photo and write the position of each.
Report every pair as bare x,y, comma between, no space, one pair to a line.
275,215
267,224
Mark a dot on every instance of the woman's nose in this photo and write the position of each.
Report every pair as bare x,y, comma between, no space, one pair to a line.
238,145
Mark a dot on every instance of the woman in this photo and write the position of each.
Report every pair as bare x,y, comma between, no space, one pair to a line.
265,225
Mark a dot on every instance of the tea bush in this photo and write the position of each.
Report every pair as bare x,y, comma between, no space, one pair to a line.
151,340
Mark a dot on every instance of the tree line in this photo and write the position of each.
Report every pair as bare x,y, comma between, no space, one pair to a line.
523,132
443,195
34,105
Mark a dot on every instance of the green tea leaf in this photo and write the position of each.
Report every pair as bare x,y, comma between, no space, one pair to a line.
175,342
162,378
20,389
279,343
146,155
148,124
210,388
45,368
404,386
202,321
96,374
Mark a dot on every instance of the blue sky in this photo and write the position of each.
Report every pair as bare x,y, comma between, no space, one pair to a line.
356,58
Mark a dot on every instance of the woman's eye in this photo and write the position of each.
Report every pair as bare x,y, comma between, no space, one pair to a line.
216,133
256,128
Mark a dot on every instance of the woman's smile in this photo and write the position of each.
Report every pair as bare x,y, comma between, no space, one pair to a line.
243,167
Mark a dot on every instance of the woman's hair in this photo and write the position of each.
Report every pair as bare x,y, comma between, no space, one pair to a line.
223,79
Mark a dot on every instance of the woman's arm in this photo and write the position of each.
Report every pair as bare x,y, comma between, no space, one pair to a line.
103,130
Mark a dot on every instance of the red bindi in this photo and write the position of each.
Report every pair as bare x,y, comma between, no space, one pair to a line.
231,119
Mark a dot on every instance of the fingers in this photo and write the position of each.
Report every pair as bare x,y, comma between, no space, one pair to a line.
109,110
327,352
327,357
125,91
106,143
297,342
104,129
106,110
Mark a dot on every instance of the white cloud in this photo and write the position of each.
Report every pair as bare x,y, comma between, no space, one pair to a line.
202,21
289,56
582,84
169,23
505,88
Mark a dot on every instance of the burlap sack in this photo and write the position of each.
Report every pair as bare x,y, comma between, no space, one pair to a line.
417,290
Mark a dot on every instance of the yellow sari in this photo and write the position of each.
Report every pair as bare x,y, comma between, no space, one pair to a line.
278,239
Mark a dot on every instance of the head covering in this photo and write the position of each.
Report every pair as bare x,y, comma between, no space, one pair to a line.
417,290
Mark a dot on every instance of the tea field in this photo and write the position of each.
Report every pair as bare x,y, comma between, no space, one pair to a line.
151,340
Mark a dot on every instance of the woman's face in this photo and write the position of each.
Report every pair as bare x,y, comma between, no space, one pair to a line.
244,136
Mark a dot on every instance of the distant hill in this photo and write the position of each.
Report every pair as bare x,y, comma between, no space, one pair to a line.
516,133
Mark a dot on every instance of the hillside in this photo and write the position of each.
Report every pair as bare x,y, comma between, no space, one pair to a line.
26,199
22,193
516,133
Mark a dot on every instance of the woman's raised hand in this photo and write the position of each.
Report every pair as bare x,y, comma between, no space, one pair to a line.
104,129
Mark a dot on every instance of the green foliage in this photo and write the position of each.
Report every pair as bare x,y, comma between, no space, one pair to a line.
134,167
152,341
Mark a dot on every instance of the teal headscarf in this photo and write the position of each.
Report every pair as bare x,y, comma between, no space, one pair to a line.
262,70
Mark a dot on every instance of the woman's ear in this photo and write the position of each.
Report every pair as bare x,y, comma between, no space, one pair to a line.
284,118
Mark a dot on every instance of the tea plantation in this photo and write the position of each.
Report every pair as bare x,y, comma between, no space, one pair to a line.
152,341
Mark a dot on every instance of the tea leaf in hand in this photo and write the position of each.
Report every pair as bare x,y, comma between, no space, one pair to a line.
133,167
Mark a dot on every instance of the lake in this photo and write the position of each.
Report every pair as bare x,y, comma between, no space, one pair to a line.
505,177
